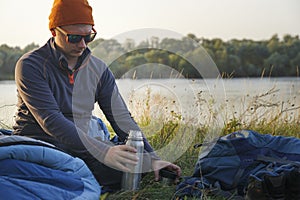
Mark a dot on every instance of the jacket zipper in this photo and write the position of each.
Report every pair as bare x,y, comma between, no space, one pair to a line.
71,74
71,77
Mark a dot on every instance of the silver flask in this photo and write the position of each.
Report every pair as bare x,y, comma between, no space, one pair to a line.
131,180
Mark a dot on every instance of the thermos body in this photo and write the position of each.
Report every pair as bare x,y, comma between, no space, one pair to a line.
131,180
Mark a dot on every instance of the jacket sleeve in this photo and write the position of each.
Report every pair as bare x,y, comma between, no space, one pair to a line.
37,96
115,109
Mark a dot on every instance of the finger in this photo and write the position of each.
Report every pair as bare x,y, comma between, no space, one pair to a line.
128,148
128,156
122,167
175,168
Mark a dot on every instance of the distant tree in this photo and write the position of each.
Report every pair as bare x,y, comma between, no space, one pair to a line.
134,61
233,62
8,58
143,44
30,47
295,63
108,50
241,58
192,36
95,43
273,44
129,44
279,63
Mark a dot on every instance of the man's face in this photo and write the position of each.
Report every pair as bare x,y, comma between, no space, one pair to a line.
72,50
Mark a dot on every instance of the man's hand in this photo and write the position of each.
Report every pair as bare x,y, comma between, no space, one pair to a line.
159,164
119,156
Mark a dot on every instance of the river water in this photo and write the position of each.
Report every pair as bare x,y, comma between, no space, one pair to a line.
196,100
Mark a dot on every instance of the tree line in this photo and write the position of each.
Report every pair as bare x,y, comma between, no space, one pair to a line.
275,57
8,58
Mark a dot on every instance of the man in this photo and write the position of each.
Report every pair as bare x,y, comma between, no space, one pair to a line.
58,85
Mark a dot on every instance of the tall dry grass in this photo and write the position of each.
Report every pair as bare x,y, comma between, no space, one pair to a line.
160,120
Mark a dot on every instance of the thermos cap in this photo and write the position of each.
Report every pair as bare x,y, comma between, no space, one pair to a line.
136,135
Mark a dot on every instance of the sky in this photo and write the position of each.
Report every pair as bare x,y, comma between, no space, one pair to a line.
24,22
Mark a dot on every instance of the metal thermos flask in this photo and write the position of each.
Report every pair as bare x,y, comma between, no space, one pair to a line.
131,180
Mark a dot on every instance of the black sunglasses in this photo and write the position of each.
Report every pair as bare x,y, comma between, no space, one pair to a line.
73,38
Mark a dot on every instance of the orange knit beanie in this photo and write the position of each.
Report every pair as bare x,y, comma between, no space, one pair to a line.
68,12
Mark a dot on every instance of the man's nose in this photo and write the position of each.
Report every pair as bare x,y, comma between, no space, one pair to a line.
82,43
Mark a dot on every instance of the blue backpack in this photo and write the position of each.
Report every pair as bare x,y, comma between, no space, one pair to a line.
246,164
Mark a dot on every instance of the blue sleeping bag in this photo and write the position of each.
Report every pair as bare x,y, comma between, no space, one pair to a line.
32,169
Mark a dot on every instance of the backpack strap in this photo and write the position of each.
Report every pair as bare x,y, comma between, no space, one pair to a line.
277,160
238,177
5,132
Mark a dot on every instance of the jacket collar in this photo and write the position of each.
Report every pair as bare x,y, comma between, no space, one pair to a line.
62,60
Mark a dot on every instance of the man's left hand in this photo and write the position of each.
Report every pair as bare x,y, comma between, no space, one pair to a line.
160,164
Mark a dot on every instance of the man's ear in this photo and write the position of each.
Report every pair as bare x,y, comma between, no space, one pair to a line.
53,32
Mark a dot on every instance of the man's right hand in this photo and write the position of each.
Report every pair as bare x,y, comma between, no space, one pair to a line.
119,156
